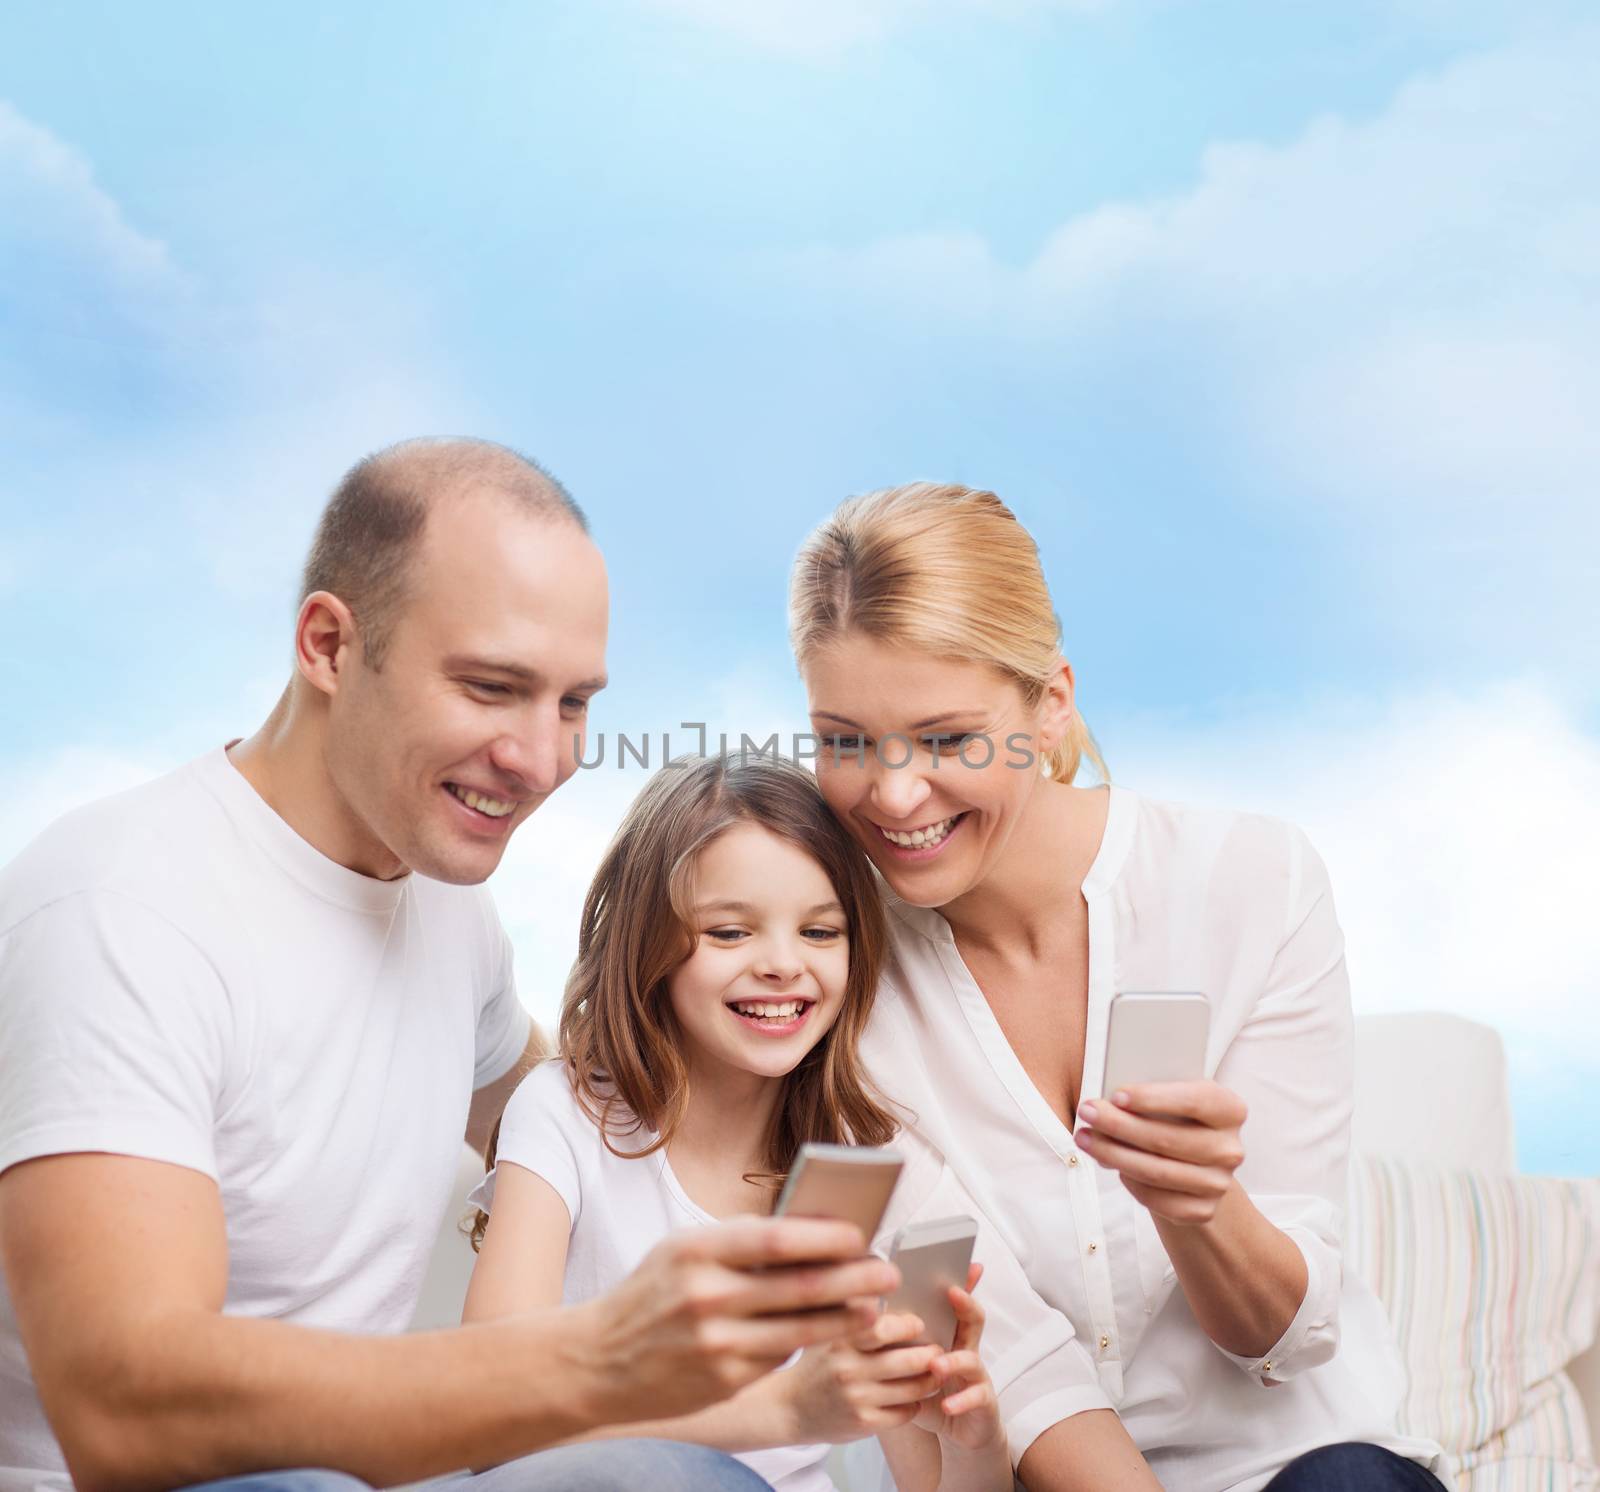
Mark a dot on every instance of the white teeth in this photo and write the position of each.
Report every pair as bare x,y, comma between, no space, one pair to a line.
493,807
920,838
787,1010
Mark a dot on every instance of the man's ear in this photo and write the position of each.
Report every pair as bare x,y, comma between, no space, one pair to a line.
324,640
1058,707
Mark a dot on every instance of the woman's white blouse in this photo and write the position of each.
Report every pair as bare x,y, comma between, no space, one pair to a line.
1239,908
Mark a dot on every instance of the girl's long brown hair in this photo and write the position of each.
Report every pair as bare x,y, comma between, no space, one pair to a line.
619,1038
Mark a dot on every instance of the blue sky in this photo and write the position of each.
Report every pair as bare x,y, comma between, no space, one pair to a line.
1277,324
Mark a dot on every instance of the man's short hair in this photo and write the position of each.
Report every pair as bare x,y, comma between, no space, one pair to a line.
369,533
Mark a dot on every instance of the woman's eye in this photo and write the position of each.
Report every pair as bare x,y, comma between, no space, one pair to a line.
841,744
948,744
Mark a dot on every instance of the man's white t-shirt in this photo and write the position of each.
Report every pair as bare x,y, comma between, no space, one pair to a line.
183,978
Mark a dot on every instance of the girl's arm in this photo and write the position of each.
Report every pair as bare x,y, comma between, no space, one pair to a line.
957,1443
837,1392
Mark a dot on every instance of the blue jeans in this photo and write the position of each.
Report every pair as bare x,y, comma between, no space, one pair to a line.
598,1466
1353,1467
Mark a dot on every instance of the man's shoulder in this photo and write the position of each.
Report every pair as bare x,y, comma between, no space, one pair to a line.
133,842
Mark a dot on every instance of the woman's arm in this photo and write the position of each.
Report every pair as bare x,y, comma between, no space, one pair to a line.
1090,1452
1254,1238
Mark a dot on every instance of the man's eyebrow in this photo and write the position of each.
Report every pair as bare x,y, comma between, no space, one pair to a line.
948,715
745,906
520,671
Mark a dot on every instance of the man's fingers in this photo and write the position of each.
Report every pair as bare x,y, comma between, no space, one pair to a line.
807,1287
779,1336
889,1328
747,1243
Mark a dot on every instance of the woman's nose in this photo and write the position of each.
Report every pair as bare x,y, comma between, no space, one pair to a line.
898,792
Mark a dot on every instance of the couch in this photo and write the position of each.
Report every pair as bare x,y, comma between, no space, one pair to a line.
1434,1139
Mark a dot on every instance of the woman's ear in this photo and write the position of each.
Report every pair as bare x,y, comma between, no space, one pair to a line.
1057,708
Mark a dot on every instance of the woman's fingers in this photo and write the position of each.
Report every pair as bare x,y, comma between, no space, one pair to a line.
1182,1139
1157,1170
1205,1103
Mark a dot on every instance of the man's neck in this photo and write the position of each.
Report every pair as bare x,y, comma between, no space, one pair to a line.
284,761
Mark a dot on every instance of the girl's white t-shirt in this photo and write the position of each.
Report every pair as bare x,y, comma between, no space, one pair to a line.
620,1207
1239,908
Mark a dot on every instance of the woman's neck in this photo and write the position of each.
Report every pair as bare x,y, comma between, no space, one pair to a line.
1016,908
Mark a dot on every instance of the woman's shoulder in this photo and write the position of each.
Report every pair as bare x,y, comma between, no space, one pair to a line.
1168,835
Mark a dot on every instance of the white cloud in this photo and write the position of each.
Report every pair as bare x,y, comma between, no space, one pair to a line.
818,28
52,197
1393,320
1459,831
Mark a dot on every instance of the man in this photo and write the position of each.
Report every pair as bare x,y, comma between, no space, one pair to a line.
247,1013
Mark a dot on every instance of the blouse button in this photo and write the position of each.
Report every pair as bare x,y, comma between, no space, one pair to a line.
1093,1247
1104,1343
1266,1367
1072,1160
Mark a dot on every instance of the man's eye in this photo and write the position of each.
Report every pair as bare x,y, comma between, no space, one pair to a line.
483,686
575,703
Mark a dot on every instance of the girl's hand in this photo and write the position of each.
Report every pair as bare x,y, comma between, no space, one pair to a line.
856,1387
966,1412
1175,1145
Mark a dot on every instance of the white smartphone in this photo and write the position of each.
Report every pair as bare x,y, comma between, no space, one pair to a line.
853,1182
1155,1038
931,1257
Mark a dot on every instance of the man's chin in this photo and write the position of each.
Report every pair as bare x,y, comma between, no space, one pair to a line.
457,865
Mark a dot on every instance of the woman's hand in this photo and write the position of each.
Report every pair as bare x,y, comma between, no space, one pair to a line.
966,1413
1175,1145
849,1389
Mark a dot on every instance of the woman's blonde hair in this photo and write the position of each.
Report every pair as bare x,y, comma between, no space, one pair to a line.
619,1037
944,569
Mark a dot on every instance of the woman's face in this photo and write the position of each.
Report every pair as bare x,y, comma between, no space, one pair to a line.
929,763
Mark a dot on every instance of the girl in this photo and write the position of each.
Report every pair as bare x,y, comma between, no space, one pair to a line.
727,958
1215,1346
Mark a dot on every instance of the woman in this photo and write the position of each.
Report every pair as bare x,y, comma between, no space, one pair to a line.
1196,1254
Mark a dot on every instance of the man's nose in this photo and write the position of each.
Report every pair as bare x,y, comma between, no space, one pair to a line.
532,752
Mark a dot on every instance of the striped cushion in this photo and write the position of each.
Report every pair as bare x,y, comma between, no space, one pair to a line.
1493,1285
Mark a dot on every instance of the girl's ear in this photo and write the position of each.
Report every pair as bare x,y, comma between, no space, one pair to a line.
1057,708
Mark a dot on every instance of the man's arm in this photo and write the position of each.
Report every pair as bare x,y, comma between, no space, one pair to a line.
117,1269
489,1102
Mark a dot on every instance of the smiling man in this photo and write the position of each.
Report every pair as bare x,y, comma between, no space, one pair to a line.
250,1010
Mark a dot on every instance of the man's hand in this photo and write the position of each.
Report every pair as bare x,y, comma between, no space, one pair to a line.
713,1309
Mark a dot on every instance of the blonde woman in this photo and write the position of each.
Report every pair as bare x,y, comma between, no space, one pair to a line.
1189,1232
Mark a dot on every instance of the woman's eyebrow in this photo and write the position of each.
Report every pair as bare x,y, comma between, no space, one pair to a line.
947,716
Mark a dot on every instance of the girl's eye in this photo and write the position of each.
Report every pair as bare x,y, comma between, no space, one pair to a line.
726,934
822,934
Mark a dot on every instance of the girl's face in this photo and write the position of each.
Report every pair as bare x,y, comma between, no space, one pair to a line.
930,764
766,978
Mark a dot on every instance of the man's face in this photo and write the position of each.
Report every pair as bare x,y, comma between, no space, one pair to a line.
479,710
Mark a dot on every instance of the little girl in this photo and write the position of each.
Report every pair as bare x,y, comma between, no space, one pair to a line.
727,958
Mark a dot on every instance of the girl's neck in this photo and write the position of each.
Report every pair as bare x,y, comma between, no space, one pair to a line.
722,1136
1016,908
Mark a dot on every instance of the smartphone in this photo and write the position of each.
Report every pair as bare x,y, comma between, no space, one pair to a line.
853,1182
931,1257
1155,1038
